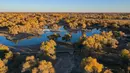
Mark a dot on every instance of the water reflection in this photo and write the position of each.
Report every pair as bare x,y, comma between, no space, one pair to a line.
44,37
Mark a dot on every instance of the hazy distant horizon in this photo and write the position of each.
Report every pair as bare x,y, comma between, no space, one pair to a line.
54,12
78,6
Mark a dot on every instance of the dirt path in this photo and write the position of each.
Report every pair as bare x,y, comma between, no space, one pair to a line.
65,63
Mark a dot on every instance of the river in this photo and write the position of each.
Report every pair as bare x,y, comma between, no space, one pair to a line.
43,37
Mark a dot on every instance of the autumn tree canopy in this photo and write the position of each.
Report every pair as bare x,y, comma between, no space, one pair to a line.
91,65
99,41
48,48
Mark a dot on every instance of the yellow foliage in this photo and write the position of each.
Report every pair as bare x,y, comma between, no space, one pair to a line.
108,71
30,61
3,47
14,29
3,68
30,58
67,37
8,55
83,25
90,64
98,41
122,33
125,53
48,48
44,67
26,65
73,20
34,70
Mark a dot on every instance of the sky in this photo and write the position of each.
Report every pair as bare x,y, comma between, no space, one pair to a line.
64,5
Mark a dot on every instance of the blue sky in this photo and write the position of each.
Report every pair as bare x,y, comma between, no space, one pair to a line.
65,5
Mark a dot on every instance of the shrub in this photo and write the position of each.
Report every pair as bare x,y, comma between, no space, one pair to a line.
125,53
3,48
67,37
3,68
8,55
48,48
28,65
90,65
99,41
44,67
108,71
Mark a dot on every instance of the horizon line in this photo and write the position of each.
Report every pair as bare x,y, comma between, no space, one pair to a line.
54,12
